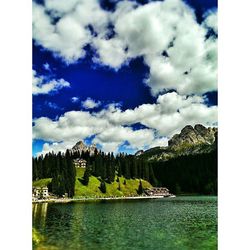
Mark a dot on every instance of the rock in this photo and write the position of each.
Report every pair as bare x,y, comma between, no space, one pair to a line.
190,141
81,147
189,135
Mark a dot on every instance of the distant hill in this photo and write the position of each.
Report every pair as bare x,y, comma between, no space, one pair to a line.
190,141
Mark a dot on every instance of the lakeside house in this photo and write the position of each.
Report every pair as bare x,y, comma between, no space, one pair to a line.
80,163
157,191
40,192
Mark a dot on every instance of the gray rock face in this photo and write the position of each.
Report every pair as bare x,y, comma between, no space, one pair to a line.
193,135
190,141
81,147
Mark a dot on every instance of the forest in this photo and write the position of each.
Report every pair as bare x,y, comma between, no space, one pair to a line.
60,168
188,173
181,175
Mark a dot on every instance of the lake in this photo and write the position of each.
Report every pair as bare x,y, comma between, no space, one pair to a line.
188,222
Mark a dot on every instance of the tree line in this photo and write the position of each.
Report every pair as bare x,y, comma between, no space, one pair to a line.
106,167
189,173
184,174
60,168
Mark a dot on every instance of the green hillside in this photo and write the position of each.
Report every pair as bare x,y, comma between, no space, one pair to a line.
42,182
92,189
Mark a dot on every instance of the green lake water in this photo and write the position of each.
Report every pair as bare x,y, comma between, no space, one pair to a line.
171,223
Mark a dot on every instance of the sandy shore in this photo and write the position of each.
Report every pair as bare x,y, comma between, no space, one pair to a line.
66,200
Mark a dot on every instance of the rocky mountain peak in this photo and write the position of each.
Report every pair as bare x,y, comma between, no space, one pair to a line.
187,129
80,146
189,135
200,129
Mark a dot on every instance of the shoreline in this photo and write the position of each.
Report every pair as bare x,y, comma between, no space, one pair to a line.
67,200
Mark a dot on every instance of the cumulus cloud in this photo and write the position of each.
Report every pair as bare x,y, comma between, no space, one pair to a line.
75,99
90,103
68,36
112,127
211,21
165,33
111,52
56,147
171,113
41,86
117,135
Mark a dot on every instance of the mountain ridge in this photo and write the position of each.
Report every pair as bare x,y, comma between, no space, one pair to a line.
191,140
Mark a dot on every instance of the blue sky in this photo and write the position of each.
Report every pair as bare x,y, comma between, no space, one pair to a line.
124,75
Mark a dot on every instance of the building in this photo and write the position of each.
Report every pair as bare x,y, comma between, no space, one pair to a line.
40,192
157,191
80,163
140,152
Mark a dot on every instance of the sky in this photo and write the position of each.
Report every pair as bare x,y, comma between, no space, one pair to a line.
125,75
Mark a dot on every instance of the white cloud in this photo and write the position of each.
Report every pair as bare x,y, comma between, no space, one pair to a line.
117,135
171,113
46,66
90,103
211,21
169,27
111,127
75,99
188,66
56,147
111,52
41,86
159,142
68,36
52,105
60,7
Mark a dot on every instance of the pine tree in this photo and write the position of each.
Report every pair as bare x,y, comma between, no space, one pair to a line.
70,174
103,187
140,188
152,178
34,169
119,186
86,176
145,171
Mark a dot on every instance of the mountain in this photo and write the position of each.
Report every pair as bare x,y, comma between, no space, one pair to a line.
81,147
192,136
190,141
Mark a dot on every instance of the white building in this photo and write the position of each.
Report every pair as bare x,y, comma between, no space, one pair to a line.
40,192
80,163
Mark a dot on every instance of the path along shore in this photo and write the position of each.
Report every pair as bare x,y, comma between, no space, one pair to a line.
66,200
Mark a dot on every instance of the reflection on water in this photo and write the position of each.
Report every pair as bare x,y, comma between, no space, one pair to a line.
39,213
179,223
